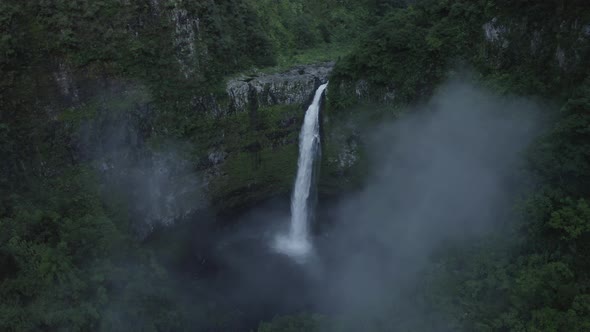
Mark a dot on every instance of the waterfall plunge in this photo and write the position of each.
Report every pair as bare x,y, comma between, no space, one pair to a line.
297,243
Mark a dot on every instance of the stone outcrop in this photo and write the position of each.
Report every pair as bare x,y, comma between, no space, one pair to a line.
293,87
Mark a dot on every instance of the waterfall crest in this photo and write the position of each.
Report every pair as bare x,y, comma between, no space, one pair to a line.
297,243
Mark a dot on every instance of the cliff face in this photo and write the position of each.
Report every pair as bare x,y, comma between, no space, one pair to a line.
119,96
293,87
242,149
411,51
253,152
532,53
559,46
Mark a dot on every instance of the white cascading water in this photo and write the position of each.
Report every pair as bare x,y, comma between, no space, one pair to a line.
297,243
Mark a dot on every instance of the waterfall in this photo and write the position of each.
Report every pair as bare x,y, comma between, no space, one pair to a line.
296,242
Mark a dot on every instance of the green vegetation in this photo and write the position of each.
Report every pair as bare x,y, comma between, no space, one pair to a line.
68,257
60,246
533,275
344,163
262,154
318,54
412,50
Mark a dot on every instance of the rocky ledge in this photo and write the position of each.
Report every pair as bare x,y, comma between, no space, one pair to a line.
293,87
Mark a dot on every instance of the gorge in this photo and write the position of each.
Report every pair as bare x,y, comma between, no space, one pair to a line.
183,165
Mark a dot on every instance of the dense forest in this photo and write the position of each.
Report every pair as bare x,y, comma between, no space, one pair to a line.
91,86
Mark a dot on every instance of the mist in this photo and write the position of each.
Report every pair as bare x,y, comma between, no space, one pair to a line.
444,172
448,171
156,182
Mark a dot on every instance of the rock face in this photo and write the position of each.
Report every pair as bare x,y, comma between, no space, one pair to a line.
294,87
249,145
507,38
243,150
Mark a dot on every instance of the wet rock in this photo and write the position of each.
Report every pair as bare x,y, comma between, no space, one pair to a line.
495,33
64,80
217,157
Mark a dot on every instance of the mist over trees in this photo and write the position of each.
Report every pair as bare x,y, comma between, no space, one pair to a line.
473,122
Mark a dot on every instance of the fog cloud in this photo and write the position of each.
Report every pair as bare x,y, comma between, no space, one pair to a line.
444,171
156,184
447,171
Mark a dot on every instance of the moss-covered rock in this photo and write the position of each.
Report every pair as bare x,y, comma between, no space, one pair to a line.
249,157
